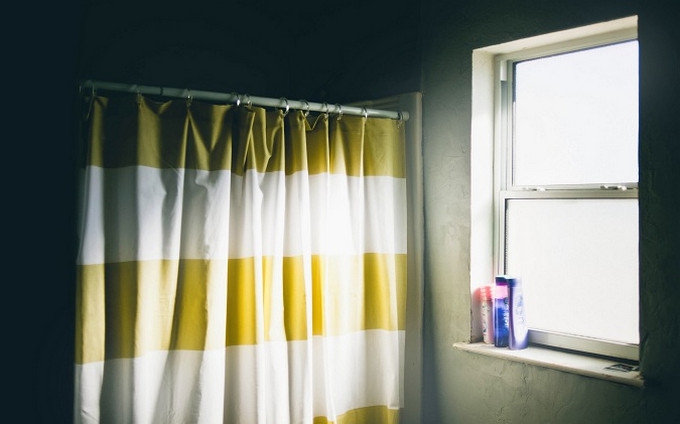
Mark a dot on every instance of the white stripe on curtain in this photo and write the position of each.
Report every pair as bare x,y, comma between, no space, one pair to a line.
238,267
198,234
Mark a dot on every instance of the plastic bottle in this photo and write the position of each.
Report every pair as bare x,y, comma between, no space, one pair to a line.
519,337
486,307
501,313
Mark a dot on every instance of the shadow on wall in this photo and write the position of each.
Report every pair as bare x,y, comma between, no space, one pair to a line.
318,51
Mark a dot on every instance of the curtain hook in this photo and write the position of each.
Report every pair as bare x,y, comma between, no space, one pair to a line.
138,92
339,111
238,99
306,107
287,106
401,119
90,103
189,98
248,102
325,110
365,111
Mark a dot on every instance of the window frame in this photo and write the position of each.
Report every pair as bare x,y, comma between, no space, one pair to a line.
505,189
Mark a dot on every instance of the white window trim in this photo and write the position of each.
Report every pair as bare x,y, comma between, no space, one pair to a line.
487,63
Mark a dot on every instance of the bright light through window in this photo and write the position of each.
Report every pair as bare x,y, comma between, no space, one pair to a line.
576,117
567,200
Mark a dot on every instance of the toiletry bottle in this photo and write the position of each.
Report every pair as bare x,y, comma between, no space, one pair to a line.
500,312
486,307
519,337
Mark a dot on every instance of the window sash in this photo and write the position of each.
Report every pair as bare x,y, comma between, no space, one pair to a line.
550,338
601,80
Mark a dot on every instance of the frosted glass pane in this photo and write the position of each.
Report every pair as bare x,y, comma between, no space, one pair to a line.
576,117
578,261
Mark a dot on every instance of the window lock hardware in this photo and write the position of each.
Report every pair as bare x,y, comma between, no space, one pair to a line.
614,187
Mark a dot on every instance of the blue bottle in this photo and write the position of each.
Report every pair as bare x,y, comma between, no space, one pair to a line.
501,313
519,332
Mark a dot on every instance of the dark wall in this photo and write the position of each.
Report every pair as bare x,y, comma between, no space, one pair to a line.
39,66
321,51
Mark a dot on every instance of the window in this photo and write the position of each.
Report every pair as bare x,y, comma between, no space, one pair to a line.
565,209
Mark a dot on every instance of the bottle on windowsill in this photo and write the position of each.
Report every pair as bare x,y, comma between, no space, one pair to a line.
519,337
486,307
501,313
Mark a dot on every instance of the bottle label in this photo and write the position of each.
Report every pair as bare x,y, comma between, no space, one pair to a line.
518,328
501,322
487,321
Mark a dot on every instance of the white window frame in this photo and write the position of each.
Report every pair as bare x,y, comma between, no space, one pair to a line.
491,172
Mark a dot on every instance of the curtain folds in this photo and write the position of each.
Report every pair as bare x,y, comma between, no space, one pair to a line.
239,265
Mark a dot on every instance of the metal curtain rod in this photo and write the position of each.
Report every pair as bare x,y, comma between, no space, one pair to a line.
237,99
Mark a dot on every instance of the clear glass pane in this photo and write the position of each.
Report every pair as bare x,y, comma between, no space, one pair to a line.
578,261
576,117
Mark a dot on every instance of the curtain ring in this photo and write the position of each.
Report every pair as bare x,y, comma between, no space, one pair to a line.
401,119
365,111
287,106
189,98
139,94
248,102
238,99
339,111
90,102
306,108
325,109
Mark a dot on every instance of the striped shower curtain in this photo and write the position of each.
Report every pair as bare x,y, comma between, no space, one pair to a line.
238,265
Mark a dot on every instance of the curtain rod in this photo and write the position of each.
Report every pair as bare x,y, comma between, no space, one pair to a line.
237,99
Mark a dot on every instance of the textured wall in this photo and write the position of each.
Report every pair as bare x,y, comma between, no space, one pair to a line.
465,388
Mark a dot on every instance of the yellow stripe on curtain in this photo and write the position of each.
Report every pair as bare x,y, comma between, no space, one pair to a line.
131,308
368,415
214,137
239,265
175,301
